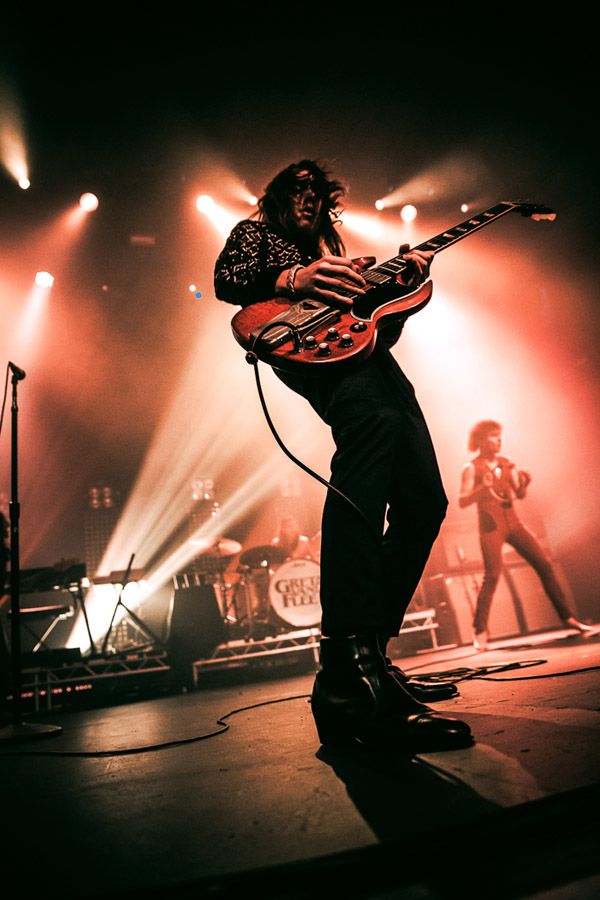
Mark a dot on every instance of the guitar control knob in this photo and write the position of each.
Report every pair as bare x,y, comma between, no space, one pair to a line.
324,349
310,341
346,340
358,326
332,334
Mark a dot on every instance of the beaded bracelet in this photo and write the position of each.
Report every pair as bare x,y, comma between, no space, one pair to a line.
291,278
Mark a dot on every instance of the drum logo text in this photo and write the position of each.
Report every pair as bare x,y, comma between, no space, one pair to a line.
298,591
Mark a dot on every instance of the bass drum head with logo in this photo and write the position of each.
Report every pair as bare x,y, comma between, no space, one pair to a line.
294,592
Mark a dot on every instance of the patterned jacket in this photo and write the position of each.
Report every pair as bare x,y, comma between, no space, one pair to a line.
253,257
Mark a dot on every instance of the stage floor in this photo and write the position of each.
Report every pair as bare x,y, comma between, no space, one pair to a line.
214,816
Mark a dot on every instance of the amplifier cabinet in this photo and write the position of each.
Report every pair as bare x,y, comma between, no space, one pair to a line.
520,605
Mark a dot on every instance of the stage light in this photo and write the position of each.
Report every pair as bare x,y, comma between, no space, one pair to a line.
192,288
379,204
408,213
44,279
89,202
252,200
445,180
464,207
205,204
13,153
217,215
365,226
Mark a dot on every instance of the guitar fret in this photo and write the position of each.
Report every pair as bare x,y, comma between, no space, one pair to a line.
377,276
347,292
384,273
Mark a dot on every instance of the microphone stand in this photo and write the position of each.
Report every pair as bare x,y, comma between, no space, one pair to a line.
153,638
18,730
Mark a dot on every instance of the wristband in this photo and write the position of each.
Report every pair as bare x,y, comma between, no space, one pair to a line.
291,278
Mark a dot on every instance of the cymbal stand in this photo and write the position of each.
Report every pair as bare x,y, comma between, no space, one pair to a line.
248,618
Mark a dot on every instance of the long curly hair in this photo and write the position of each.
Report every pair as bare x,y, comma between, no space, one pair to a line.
275,207
480,431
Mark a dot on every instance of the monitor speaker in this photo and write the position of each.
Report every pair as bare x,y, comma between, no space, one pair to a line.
196,629
457,544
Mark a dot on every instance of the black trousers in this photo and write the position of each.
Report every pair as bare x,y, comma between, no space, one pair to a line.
385,462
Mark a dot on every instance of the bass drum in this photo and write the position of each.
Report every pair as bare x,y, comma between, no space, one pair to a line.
294,593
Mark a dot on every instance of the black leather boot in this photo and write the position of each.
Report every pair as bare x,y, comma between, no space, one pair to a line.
355,698
421,690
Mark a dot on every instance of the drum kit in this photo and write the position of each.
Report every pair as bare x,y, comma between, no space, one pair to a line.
268,593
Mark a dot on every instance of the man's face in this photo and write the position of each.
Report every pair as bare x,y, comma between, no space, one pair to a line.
305,204
493,442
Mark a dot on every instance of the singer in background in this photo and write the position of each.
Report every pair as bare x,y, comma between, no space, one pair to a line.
493,483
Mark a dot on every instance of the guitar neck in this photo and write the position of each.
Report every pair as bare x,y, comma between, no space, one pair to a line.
388,270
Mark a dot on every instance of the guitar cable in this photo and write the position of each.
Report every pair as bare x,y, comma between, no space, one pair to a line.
252,359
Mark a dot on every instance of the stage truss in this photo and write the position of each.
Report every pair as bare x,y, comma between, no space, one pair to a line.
238,653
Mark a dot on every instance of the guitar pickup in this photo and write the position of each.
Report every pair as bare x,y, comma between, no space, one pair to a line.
303,316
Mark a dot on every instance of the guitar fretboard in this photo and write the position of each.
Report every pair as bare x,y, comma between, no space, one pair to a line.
387,271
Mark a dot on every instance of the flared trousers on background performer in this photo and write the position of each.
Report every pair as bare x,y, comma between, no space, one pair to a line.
498,526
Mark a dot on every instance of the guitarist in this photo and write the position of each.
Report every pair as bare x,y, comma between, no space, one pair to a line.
384,460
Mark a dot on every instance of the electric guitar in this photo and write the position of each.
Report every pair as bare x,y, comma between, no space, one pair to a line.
310,334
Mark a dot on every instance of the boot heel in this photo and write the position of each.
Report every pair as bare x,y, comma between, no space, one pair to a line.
330,728
333,733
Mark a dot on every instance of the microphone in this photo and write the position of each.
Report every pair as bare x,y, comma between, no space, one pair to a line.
17,372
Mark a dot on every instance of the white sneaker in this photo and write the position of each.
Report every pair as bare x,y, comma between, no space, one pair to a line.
586,630
480,641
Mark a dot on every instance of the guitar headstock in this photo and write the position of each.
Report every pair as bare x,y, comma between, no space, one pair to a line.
536,211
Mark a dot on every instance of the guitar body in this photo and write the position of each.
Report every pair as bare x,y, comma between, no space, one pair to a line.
309,335
325,336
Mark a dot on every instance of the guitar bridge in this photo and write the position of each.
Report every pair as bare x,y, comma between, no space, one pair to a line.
304,316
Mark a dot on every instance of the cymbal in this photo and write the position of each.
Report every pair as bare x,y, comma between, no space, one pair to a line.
225,547
221,547
255,557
